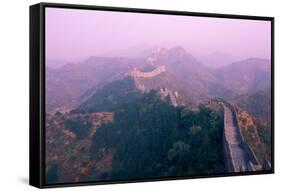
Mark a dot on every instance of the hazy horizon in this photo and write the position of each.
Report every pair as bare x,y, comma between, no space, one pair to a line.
73,35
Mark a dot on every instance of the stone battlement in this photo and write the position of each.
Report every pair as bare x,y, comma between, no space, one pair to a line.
155,72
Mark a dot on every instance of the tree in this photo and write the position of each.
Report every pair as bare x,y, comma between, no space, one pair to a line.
179,153
80,128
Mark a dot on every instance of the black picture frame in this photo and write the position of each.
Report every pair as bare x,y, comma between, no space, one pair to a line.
37,91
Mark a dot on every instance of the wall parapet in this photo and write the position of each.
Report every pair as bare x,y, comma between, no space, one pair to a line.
228,158
251,163
155,72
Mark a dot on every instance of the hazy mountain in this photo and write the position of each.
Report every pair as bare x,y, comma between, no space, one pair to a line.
56,63
141,50
196,77
217,59
246,76
257,104
73,84
167,79
177,61
111,96
66,84
182,90
176,90
121,92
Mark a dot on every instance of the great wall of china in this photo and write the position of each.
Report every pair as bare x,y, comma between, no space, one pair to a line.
238,156
155,72
150,60
164,92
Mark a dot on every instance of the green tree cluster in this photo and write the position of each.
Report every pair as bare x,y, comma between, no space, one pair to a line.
154,139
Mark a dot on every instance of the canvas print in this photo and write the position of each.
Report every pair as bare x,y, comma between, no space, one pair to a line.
133,96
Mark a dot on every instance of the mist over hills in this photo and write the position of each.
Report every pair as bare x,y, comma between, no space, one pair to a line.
217,59
105,111
73,84
246,76
66,84
56,63
257,104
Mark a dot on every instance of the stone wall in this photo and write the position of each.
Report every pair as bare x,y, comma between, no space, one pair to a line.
155,72
228,162
252,163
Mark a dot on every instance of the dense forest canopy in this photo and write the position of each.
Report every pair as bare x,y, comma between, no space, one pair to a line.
153,138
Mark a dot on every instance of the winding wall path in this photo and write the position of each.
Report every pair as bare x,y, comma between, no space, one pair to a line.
239,156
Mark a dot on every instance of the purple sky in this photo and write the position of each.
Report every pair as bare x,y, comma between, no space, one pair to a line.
77,34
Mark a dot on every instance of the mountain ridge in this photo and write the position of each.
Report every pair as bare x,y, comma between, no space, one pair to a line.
73,84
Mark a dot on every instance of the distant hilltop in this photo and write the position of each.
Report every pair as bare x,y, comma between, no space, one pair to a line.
155,72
